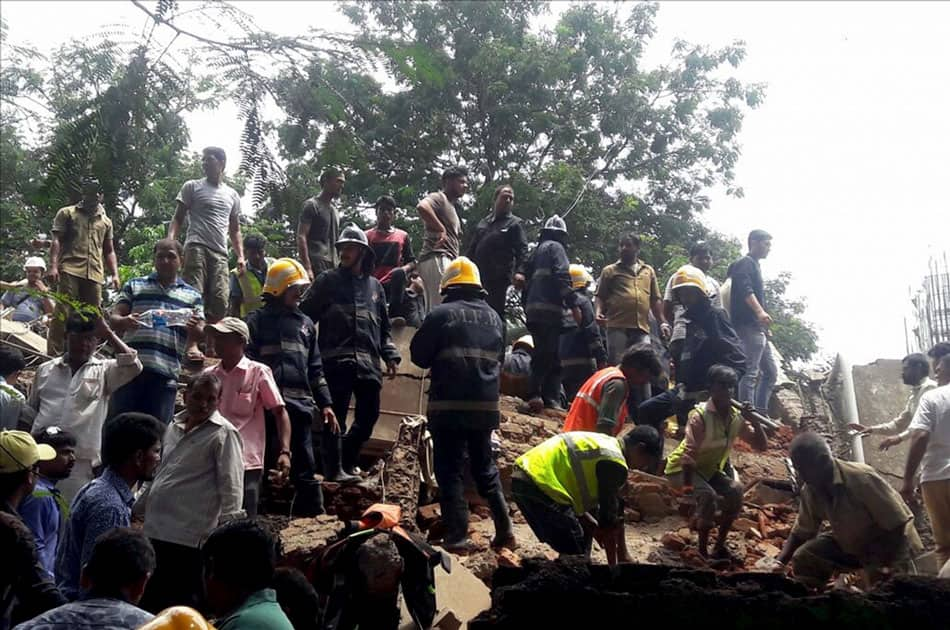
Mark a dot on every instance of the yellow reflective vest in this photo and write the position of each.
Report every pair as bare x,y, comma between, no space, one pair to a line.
717,444
251,289
564,467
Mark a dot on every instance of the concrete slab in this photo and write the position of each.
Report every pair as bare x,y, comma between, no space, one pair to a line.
459,591
881,395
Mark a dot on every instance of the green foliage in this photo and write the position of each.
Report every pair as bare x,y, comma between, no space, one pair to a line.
569,115
794,337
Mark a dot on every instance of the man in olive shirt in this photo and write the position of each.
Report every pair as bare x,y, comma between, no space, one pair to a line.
443,231
82,242
871,526
626,294
319,225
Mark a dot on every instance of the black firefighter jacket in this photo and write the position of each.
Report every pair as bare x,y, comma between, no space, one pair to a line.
460,341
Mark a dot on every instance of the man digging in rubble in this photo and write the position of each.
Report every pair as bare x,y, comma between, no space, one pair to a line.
699,465
600,404
460,341
349,305
709,339
560,484
871,527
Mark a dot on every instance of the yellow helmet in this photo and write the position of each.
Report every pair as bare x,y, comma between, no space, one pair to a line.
283,274
689,276
580,277
525,340
178,618
461,272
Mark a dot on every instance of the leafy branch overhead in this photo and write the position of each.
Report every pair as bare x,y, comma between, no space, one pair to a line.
564,107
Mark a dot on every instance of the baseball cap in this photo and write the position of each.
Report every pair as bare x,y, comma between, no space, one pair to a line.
35,261
19,451
232,325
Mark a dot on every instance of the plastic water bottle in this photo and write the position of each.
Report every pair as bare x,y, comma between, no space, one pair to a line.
158,317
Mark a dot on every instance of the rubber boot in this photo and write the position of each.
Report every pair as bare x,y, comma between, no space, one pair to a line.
309,499
332,449
504,534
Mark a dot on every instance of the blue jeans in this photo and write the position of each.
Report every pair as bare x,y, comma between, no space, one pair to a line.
149,392
759,378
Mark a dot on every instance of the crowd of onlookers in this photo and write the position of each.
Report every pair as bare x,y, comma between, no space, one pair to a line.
112,501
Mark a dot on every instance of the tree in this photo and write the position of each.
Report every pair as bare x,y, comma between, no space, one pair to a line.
794,337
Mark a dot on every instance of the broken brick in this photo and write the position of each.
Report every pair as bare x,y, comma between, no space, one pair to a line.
508,558
672,541
652,504
743,524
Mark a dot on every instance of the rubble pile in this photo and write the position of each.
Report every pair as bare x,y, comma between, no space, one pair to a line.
519,433
647,498
598,595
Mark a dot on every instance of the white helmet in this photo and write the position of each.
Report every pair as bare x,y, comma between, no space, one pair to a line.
35,261
556,224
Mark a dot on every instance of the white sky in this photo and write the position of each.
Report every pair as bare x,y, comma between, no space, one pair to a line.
845,163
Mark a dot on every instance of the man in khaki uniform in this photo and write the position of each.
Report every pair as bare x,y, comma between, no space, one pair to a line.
871,527
82,241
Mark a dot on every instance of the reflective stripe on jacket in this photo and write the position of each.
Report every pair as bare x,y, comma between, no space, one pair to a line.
460,342
584,411
564,467
717,444
548,291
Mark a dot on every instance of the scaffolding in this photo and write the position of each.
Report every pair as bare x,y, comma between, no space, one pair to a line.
931,307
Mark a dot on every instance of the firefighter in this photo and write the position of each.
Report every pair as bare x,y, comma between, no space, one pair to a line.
548,293
285,340
349,304
581,347
460,342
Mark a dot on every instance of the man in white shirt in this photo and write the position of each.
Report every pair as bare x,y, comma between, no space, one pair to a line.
213,210
930,450
915,371
73,391
198,485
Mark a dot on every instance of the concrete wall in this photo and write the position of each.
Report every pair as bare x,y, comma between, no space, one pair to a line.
881,396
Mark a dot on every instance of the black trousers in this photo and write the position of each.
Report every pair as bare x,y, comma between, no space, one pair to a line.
178,579
395,288
545,364
309,497
449,447
344,384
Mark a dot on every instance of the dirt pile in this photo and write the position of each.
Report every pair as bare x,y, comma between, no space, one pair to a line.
519,433
597,595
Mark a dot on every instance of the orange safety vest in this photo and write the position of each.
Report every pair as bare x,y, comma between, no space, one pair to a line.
583,413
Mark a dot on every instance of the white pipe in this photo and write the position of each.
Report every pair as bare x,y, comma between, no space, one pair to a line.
849,404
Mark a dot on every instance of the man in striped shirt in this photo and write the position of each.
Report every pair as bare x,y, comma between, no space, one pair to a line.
160,346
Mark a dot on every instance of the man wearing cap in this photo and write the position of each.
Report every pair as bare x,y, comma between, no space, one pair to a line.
27,296
498,247
319,225
25,588
81,251
751,321
73,391
247,391
45,509
349,305
392,250
460,342
285,340
516,368
443,230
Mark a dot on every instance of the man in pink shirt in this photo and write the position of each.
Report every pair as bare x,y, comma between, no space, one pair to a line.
247,389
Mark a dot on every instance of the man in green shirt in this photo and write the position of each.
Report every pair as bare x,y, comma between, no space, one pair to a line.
239,559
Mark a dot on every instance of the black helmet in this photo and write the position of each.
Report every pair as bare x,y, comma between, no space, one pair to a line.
555,224
352,234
